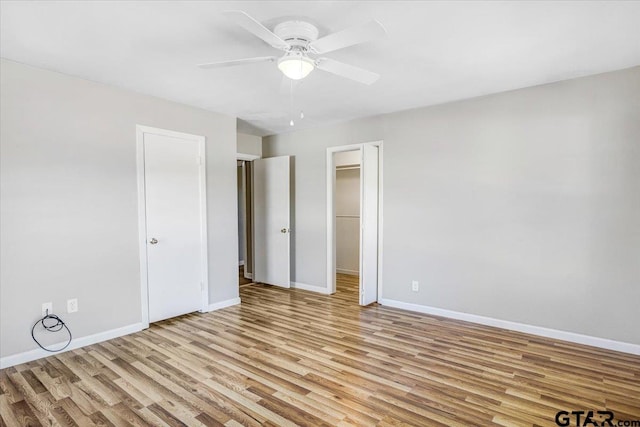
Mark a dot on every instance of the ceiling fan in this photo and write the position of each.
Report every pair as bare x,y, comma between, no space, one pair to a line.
299,39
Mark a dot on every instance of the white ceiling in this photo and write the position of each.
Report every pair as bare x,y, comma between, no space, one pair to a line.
435,52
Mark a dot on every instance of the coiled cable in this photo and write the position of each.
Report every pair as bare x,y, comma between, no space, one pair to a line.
51,323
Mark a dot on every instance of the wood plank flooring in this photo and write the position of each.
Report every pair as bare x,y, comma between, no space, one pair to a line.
290,357
241,279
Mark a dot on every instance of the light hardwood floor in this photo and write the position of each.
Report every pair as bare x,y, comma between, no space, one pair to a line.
241,280
287,357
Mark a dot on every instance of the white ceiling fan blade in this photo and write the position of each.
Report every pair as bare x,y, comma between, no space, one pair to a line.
345,70
256,28
349,37
234,62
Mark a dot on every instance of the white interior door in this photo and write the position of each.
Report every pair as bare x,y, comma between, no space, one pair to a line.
369,225
174,197
271,210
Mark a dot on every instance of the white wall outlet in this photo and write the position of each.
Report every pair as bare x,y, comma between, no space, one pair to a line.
72,305
47,308
415,286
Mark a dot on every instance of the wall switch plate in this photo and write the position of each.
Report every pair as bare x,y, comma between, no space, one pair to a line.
47,308
415,287
72,305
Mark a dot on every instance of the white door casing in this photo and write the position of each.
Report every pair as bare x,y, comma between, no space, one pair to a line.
369,185
173,244
331,212
271,221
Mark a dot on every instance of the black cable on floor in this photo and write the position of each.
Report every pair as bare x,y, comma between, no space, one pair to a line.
51,323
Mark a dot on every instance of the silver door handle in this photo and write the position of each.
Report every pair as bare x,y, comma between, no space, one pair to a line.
284,230
153,241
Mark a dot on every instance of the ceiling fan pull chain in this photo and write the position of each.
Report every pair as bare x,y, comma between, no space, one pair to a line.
291,123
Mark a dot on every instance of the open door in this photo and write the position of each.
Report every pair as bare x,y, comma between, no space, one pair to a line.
369,225
271,211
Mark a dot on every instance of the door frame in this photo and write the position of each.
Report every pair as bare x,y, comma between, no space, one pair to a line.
246,158
142,216
331,217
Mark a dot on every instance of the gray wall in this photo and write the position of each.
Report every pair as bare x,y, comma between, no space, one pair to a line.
69,200
249,144
521,206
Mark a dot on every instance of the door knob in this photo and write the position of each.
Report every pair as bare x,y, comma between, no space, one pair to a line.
153,241
284,230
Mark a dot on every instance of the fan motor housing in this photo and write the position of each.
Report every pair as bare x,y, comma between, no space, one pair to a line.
297,33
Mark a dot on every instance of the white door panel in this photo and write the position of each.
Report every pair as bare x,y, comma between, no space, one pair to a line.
271,210
174,225
369,225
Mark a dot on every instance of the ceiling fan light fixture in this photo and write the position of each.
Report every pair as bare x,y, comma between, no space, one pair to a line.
296,66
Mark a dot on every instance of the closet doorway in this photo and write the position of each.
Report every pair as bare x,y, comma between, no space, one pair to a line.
354,221
347,240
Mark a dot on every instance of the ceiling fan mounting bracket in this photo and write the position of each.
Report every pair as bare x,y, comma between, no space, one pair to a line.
297,33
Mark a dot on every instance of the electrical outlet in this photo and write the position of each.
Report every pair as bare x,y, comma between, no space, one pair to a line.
415,287
47,308
72,305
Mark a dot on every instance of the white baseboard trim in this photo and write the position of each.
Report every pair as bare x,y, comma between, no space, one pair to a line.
520,327
39,353
240,264
248,276
305,287
349,272
223,304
